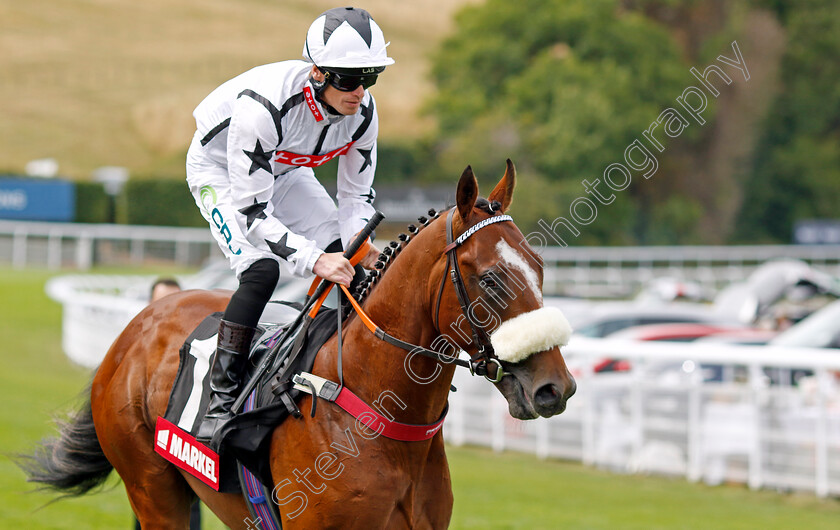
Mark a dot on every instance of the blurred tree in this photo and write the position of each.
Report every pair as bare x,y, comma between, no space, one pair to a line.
796,169
562,87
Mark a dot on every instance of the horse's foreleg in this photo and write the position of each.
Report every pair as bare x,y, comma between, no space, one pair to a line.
433,500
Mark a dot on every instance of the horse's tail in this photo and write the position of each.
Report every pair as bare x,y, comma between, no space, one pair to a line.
73,462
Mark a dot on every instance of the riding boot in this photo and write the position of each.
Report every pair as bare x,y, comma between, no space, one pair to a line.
226,376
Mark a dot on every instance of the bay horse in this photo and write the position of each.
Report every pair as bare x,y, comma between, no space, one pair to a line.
369,482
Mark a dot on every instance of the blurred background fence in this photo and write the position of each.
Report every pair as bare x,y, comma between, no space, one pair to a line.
81,246
621,271
569,271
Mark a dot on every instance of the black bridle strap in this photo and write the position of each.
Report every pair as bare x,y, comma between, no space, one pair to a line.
440,292
480,336
390,339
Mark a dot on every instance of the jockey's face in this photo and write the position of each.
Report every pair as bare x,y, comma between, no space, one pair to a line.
346,103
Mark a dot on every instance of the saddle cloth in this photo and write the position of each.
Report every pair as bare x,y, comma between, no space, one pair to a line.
246,437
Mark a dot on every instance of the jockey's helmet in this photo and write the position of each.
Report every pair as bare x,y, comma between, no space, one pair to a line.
346,40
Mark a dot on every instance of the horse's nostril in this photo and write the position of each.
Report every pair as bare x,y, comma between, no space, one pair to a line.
547,396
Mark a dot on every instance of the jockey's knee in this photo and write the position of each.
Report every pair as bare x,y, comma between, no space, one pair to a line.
256,286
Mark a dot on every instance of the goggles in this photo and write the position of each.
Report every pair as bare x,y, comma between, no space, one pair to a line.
349,82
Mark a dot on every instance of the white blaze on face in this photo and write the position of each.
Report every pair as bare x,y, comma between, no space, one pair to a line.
515,260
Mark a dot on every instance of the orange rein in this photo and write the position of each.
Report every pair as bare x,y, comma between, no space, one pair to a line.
354,260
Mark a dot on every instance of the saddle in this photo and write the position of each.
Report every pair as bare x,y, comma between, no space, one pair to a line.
245,438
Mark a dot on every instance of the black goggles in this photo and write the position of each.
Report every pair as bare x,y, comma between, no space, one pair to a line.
349,82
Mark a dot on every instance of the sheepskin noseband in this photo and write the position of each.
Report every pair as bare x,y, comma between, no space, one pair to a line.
529,333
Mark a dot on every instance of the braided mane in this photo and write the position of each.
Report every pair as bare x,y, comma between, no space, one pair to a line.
395,247
389,253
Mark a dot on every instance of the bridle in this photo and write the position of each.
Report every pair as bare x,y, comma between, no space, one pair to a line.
485,355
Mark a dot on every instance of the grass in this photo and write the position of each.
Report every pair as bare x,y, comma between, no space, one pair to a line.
517,491
108,82
491,491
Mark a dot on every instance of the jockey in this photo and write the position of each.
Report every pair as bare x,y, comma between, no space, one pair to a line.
250,169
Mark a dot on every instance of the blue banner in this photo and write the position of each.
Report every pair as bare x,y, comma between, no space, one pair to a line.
37,200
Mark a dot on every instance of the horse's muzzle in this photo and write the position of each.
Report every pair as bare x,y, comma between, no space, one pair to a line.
550,399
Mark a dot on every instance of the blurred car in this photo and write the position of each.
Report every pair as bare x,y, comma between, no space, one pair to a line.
685,332
694,331
821,329
603,321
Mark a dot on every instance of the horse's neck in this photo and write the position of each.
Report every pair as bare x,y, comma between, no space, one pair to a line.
400,306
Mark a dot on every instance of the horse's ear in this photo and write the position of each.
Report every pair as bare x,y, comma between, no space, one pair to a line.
503,192
467,193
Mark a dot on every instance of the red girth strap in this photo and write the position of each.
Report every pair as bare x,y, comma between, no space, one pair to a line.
378,423
349,402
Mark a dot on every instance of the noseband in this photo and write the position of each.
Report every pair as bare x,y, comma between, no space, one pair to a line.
485,355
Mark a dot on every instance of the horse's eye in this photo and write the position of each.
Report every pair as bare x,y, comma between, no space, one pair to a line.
488,282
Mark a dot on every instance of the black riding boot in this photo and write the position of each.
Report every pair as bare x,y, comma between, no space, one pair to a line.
226,376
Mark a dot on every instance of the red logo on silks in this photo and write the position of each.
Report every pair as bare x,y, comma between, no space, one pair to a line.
294,159
180,448
310,102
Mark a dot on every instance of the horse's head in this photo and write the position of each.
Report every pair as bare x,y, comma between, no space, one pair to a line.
501,278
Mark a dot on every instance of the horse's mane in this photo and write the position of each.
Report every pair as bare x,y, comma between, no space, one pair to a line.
390,252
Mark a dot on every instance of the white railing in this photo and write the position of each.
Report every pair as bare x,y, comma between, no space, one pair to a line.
95,309
663,418
620,271
80,246
571,271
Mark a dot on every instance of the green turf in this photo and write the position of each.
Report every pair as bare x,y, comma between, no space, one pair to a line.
491,491
518,491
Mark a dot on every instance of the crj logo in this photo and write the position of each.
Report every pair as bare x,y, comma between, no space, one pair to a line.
208,200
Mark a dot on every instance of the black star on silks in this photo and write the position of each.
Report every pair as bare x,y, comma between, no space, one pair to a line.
280,248
366,154
259,158
369,196
358,20
254,212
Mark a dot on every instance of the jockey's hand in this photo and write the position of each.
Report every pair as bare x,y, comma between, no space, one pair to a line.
371,257
335,268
